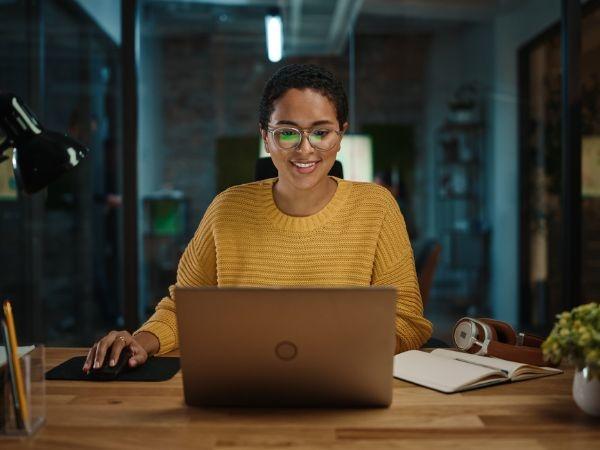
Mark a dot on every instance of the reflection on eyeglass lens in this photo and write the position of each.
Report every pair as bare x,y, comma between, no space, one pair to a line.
288,138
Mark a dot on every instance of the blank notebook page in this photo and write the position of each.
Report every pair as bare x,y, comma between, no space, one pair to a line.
444,374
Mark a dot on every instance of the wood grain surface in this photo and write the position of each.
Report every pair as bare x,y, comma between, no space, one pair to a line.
534,414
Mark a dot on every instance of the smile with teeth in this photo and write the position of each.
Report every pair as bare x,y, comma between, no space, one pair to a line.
304,164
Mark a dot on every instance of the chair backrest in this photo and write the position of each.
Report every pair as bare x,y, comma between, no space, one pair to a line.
426,265
266,169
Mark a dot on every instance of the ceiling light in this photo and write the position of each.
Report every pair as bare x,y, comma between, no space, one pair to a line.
274,30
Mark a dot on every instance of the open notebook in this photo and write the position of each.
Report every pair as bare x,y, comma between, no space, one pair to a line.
452,371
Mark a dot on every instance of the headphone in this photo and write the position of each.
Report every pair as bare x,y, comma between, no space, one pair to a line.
495,338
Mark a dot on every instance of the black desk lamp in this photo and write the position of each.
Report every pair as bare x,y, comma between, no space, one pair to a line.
40,156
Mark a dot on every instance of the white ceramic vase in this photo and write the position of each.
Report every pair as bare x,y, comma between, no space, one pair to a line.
586,392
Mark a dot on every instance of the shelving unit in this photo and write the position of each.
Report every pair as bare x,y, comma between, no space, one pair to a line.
461,216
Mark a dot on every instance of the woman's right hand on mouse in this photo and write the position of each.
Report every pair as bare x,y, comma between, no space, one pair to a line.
110,346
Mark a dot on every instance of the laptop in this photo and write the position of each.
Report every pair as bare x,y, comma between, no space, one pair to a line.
287,346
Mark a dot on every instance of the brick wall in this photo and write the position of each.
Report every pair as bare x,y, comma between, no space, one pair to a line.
212,86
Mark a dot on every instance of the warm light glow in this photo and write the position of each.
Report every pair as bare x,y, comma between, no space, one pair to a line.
356,156
274,29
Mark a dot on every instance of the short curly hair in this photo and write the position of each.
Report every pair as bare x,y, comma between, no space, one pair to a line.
302,76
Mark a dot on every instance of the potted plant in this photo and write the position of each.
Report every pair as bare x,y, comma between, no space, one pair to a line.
576,336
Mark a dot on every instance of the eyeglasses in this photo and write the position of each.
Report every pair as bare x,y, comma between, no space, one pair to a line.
290,138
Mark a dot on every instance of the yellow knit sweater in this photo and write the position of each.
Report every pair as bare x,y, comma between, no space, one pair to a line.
358,239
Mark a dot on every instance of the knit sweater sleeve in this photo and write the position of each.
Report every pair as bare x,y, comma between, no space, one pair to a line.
395,266
197,267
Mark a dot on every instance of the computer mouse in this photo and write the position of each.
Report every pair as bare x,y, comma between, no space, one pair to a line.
106,372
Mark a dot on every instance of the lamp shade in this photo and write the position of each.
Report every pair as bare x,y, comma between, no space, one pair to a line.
40,156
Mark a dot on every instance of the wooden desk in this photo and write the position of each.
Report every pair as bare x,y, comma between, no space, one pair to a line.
129,415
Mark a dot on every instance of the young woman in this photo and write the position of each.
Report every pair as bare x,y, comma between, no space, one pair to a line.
303,228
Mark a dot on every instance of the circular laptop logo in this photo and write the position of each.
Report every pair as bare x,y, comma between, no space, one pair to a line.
286,350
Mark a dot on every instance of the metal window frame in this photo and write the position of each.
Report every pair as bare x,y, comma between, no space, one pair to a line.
129,31
569,28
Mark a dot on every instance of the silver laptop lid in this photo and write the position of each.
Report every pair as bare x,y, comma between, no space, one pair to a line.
287,346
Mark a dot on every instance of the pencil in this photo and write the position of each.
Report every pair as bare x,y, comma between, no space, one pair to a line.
11,374
12,337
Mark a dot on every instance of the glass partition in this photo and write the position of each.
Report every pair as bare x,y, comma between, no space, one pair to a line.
434,91
63,244
541,146
433,102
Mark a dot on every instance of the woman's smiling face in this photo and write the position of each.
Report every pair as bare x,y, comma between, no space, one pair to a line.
304,167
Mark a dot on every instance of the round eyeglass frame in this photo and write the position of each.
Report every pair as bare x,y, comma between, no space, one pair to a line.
303,132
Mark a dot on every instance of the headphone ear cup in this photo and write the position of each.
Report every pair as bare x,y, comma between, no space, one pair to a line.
491,328
503,332
481,336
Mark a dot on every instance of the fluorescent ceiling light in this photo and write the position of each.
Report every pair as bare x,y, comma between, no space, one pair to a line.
274,29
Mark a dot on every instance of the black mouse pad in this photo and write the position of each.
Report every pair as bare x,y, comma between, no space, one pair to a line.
155,369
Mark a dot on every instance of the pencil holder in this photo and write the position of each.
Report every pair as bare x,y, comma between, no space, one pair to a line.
32,368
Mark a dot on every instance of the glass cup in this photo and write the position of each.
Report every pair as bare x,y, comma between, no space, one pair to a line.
32,368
